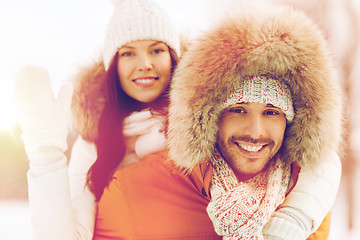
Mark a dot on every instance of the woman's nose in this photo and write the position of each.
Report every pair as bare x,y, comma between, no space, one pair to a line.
145,63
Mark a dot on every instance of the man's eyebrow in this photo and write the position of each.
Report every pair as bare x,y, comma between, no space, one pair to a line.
270,105
267,105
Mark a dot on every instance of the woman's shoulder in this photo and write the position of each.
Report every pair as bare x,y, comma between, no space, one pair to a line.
152,165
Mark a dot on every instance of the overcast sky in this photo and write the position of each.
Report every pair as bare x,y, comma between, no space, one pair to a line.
61,35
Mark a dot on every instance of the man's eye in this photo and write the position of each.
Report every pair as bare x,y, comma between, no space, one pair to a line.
271,112
237,110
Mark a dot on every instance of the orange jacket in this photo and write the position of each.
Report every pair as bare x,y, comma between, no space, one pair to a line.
151,200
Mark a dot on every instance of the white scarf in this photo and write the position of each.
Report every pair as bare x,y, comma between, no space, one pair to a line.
239,210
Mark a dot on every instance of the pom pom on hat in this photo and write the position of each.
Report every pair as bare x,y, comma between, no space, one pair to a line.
265,90
134,20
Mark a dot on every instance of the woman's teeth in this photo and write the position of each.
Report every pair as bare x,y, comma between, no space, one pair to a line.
145,80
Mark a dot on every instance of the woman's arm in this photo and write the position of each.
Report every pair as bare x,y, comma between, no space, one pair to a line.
54,196
308,203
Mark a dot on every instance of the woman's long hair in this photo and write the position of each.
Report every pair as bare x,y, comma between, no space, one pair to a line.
111,148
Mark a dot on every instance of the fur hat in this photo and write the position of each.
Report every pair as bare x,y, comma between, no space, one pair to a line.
138,20
276,41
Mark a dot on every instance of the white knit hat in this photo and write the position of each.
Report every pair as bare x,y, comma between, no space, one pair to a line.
262,89
138,20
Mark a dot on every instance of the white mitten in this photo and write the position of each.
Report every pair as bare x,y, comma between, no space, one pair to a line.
44,120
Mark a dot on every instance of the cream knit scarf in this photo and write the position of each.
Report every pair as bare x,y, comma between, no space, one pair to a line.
239,210
149,130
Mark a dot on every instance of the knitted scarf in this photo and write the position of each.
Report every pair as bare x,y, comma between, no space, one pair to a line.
149,130
239,210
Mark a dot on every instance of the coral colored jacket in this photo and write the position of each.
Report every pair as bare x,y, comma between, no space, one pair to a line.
150,199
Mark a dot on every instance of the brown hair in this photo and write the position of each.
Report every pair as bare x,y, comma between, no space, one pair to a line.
111,148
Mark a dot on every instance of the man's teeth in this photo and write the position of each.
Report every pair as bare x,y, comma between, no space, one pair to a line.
251,148
148,80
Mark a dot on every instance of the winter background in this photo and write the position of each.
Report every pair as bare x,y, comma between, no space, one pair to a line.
63,35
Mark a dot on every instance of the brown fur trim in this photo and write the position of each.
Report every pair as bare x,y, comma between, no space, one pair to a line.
89,100
278,41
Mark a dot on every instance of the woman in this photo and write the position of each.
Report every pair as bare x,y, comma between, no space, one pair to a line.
118,107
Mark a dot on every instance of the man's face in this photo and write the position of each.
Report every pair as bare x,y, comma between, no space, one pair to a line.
250,134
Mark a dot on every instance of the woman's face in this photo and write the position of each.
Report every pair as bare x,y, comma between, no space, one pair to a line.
144,69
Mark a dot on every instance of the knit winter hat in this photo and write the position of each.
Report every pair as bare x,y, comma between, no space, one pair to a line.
138,20
262,89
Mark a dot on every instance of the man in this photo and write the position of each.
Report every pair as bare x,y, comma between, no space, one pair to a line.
252,100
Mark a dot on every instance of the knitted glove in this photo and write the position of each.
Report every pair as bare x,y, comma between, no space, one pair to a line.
44,120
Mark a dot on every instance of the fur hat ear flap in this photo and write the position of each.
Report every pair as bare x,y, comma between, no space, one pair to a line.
88,100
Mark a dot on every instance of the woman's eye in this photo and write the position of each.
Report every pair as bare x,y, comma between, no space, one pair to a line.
126,54
157,51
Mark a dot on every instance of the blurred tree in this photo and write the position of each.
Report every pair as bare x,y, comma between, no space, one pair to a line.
13,165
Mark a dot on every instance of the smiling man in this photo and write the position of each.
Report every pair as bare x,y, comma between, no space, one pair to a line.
253,101
252,124
250,178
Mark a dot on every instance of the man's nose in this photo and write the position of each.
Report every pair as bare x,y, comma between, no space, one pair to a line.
254,126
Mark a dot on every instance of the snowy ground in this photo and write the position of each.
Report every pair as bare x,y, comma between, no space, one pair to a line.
15,220
339,222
